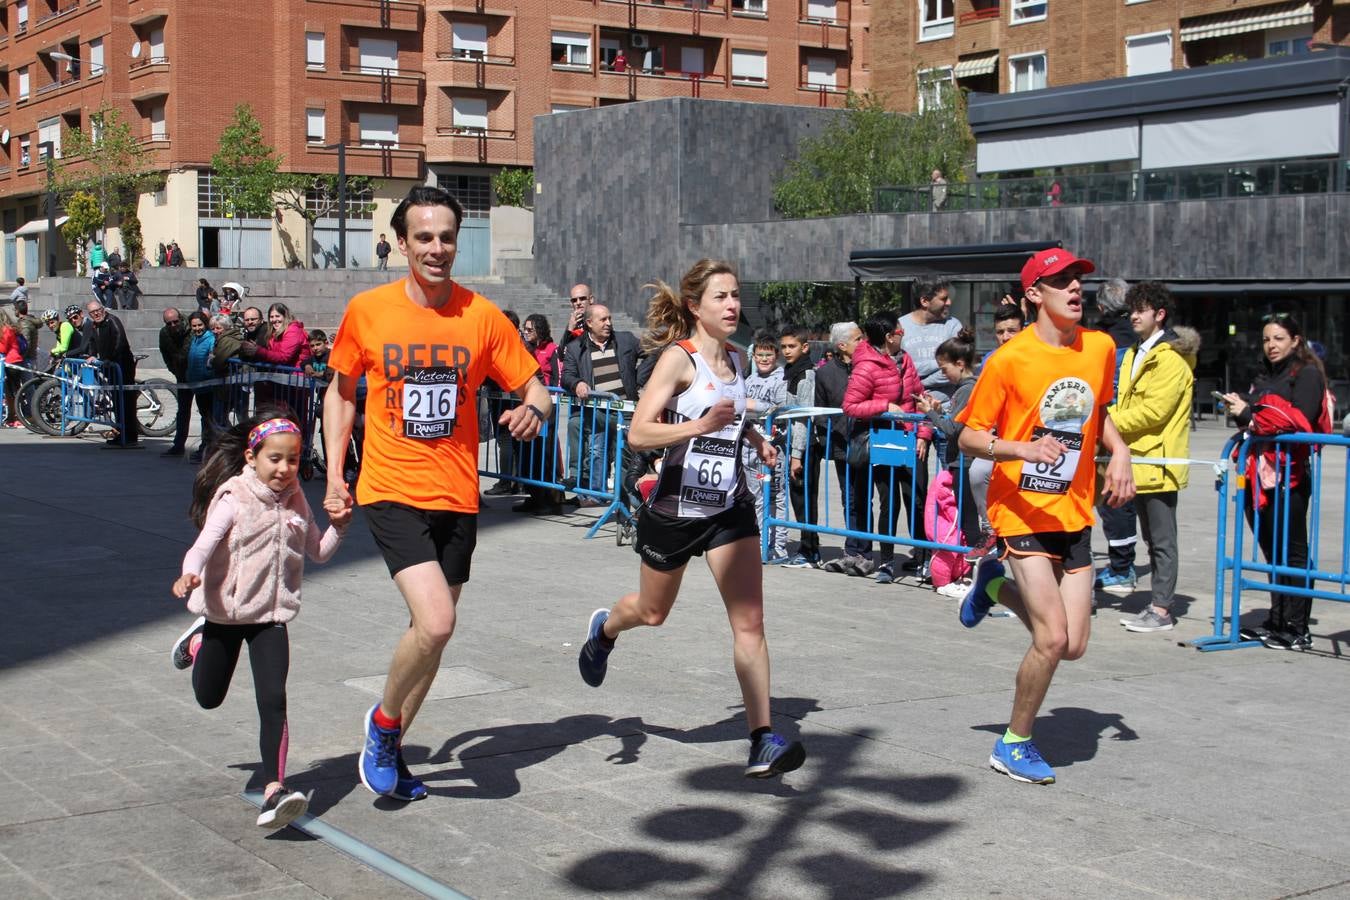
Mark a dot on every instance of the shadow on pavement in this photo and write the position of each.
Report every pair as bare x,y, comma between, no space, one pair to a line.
1071,734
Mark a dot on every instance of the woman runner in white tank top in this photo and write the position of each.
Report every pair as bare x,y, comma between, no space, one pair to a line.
694,405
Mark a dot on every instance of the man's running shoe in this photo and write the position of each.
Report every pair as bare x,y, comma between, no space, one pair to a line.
1113,582
282,808
774,756
185,648
1149,620
977,604
408,788
378,764
1021,762
804,561
1288,640
593,661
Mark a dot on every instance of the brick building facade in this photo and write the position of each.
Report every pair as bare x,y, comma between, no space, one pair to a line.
926,47
439,90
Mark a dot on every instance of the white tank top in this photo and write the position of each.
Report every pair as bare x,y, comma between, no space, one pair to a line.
703,476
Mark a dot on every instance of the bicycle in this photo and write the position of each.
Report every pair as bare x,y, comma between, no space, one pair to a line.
156,405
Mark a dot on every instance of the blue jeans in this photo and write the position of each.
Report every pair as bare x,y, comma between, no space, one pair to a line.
590,449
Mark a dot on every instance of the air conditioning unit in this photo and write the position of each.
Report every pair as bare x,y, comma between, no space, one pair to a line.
638,40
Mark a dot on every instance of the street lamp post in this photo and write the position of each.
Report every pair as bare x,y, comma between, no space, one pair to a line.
342,202
49,148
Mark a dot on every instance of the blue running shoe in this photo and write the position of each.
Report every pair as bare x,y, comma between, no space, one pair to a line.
593,661
1021,762
408,789
774,756
378,764
1113,582
977,604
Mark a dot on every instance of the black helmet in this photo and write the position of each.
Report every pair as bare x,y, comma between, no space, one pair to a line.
72,310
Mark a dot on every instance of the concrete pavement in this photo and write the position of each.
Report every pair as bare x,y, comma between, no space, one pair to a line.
1180,773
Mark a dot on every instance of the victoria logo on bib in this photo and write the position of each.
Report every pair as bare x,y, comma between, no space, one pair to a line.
1065,409
430,397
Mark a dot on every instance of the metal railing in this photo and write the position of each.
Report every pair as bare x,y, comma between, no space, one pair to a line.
1258,179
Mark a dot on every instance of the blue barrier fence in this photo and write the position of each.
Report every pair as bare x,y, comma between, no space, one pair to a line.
873,459
1238,563
581,448
91,392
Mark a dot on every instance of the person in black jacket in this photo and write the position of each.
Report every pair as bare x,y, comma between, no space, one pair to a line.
603,361
831,382
1290,372
1118,523
173,348
109,343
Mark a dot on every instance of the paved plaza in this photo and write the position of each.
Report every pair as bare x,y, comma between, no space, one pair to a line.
1181,774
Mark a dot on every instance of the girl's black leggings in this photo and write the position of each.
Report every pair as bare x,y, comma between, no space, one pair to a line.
269,654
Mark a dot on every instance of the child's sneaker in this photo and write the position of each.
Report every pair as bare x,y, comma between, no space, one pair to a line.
282,807
185,648
772,755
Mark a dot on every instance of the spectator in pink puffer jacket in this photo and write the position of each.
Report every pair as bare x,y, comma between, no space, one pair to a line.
878,384
287,345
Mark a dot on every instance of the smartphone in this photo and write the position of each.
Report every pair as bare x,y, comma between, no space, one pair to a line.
1217,396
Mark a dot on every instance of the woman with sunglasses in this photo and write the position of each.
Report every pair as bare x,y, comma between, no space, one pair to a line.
1291,387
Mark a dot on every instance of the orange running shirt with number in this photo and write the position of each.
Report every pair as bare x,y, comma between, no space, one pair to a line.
425,357
1025,388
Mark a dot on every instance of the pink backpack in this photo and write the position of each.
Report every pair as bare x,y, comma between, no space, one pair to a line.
943,524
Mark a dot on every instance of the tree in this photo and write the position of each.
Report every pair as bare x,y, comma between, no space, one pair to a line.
315,196
246,168
869,147
109,165
514,187
84,217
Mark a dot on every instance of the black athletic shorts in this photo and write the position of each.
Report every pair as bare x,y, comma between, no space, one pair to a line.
408,536
1072,549
667,543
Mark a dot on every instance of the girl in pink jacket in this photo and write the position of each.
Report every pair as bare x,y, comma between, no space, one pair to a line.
242,578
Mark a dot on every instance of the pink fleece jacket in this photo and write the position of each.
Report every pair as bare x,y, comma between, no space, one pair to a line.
251,552
290,348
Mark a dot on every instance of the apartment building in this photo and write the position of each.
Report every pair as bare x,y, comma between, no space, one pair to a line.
414,90
928,47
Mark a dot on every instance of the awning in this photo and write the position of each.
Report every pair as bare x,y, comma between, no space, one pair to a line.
38,226
970,262
976,65
1276,16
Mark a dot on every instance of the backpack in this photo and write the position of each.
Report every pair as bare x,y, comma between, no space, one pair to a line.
23,345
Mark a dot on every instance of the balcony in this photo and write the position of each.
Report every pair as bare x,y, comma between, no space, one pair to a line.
827,95
823,33
458,69
982,12
359,84
149,78
675,16
58,13
392,15
377,161
154,141
459,143
52,88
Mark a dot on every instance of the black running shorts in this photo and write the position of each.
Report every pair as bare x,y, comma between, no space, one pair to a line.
667,543
408,536
1072,549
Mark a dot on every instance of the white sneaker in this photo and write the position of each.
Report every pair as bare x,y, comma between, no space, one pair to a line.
957,590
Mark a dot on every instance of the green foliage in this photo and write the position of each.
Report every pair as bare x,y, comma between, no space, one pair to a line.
84,218
133,244
246,167
514,187
1226,58
819,305
109,165
869,147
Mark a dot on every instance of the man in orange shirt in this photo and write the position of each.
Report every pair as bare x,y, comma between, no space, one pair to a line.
424,345
1039,411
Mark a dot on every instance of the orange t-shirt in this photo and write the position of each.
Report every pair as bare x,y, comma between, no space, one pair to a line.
432,361
1026,388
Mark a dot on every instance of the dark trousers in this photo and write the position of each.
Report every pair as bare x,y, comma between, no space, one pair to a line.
124,405
206,406
1285,548
897,486
1118,524
1158,522
269,655
804,493
184,421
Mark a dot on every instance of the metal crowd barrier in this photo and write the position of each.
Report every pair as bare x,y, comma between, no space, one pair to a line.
891,448
91,391
1238,563
247,386
595,432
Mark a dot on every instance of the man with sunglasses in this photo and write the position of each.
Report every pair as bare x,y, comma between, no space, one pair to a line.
110,345
1039,411
580,298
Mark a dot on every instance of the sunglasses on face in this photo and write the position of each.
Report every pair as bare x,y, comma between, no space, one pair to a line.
1060,280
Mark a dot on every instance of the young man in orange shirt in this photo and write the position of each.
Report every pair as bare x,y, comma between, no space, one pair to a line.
424,345
1039,411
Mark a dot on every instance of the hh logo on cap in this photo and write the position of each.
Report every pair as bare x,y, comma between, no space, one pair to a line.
1049,260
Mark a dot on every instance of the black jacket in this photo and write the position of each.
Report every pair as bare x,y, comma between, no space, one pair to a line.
109,343
1290,379
173,347
831,382
577,363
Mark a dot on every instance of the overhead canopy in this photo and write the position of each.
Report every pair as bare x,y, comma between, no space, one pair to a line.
976,65
38,226
1250,131
1280,15
970,262
1064,145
